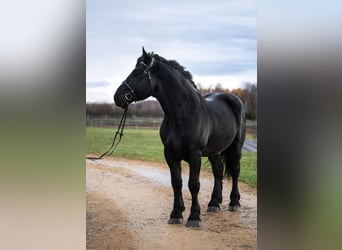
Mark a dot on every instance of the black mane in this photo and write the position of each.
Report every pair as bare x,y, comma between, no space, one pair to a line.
174,65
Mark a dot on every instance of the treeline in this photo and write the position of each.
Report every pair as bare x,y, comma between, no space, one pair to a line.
152,108
149,108
248,94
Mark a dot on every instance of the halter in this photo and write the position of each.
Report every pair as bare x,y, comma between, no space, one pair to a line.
129,96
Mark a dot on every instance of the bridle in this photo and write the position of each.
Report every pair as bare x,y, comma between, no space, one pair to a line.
129,99
115,143
129,96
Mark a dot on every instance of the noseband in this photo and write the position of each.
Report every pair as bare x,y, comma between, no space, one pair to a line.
129,96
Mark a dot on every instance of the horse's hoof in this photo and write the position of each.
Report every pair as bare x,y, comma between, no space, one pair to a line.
213,209
194,223
235,208
175,221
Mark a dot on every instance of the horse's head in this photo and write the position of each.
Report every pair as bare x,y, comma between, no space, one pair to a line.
137,85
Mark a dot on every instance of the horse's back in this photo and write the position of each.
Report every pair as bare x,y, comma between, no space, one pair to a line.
232,100
225,101
227,119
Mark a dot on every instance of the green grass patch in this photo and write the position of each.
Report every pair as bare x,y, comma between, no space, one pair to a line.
251,137
248,168
145,144
140,144
248,165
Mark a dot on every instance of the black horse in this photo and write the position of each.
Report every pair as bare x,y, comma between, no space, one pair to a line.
212,125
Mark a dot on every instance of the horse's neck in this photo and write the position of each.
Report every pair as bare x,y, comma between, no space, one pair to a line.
178,101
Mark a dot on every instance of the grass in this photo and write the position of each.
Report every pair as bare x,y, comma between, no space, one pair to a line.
141,144
251,137
248,166
145,144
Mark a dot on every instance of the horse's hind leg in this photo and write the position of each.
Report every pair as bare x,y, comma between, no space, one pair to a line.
216,196
176,216
234,168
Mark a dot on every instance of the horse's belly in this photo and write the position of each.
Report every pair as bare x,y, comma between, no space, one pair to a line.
217,143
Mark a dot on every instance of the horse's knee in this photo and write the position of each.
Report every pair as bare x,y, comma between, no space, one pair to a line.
194,186
177,183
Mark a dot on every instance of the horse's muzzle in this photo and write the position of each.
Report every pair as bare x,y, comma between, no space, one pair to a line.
120,101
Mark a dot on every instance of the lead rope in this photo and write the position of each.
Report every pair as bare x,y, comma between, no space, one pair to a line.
114,144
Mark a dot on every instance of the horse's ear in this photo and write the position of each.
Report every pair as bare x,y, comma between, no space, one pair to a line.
145,55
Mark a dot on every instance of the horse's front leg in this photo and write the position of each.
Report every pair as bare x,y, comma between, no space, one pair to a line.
194,160
176,216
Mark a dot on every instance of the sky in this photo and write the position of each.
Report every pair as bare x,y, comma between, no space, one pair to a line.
214,40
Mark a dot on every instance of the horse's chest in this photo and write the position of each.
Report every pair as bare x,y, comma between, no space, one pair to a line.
177,140
181,138
172,140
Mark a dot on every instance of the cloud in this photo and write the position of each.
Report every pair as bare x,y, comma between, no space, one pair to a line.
214,39
100,84
231,81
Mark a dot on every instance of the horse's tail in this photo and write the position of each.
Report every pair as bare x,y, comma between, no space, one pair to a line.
232,154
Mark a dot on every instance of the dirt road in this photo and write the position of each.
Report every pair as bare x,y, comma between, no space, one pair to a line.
129,202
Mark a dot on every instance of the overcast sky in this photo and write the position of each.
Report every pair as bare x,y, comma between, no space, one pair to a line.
214,40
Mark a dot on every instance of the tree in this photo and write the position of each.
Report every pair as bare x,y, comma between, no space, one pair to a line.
152,108
248,94
218,88
250,100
